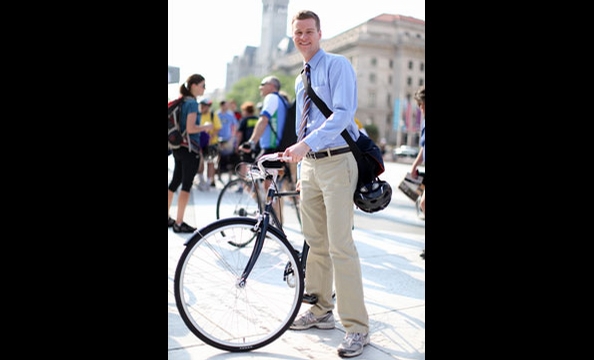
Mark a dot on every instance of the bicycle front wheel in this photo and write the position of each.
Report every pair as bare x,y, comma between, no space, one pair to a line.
239,197
216,308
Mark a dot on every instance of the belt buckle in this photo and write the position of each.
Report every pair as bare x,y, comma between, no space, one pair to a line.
311,155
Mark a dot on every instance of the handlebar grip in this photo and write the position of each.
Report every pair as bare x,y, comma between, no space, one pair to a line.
273,164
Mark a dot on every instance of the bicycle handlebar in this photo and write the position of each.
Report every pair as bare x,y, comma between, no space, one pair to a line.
268,164
272,161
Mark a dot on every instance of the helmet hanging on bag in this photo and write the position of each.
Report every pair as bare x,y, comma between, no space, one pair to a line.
373,197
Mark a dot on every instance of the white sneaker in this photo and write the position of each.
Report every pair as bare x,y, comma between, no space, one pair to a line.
352,344
308,320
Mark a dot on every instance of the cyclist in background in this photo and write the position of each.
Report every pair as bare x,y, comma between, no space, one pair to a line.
273,112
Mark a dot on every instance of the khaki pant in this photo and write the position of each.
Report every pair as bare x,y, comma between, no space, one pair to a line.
327,212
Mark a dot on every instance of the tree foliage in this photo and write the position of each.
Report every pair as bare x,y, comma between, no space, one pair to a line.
372,132
248,88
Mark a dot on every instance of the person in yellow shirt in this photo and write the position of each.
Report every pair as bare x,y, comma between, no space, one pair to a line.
360,126
210,152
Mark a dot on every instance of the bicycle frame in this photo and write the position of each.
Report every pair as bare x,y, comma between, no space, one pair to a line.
264,218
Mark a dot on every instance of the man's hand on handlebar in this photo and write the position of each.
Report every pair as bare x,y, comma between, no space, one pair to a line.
273,160
248,146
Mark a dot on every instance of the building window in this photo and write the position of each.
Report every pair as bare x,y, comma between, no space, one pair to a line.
372,78
390,80
409,81
391,64
410,64
371,99
421,82
353,61
373,62
422,66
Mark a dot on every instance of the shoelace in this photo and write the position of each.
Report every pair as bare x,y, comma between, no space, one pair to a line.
352,338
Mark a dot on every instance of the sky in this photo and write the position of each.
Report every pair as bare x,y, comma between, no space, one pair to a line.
204,35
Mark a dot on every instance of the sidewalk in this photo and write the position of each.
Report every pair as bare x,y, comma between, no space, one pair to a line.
393,277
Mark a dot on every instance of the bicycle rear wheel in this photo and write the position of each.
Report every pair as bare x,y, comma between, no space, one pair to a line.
239,197
215,308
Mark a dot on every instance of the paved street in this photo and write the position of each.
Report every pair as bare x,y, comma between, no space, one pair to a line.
389,243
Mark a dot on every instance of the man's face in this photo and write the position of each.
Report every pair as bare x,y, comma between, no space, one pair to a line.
265,87
306,37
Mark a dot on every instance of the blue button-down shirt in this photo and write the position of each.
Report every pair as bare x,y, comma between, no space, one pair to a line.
335,82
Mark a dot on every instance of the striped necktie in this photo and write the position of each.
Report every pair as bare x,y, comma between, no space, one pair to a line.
306,104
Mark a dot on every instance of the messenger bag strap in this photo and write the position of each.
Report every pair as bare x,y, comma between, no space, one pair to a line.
327,112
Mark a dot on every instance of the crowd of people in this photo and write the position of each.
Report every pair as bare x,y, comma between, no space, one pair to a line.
228,137
223,146
324,166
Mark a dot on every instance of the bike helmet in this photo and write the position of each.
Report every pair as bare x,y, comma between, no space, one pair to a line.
373,197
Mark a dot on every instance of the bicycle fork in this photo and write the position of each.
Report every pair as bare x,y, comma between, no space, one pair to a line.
261,227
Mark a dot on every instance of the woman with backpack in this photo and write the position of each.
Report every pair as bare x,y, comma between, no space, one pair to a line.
186,158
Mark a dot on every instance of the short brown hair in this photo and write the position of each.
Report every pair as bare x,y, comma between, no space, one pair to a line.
248,107
307,14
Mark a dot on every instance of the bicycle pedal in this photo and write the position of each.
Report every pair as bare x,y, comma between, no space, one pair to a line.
310,299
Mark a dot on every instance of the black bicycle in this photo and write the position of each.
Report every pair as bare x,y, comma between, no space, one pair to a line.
243,196
240,298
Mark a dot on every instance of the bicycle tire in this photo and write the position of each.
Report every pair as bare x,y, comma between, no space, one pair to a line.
219,312
239,197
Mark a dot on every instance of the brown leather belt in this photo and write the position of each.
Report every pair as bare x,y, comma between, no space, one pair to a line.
327,152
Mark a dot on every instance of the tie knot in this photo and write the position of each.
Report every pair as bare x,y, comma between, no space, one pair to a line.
306,67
